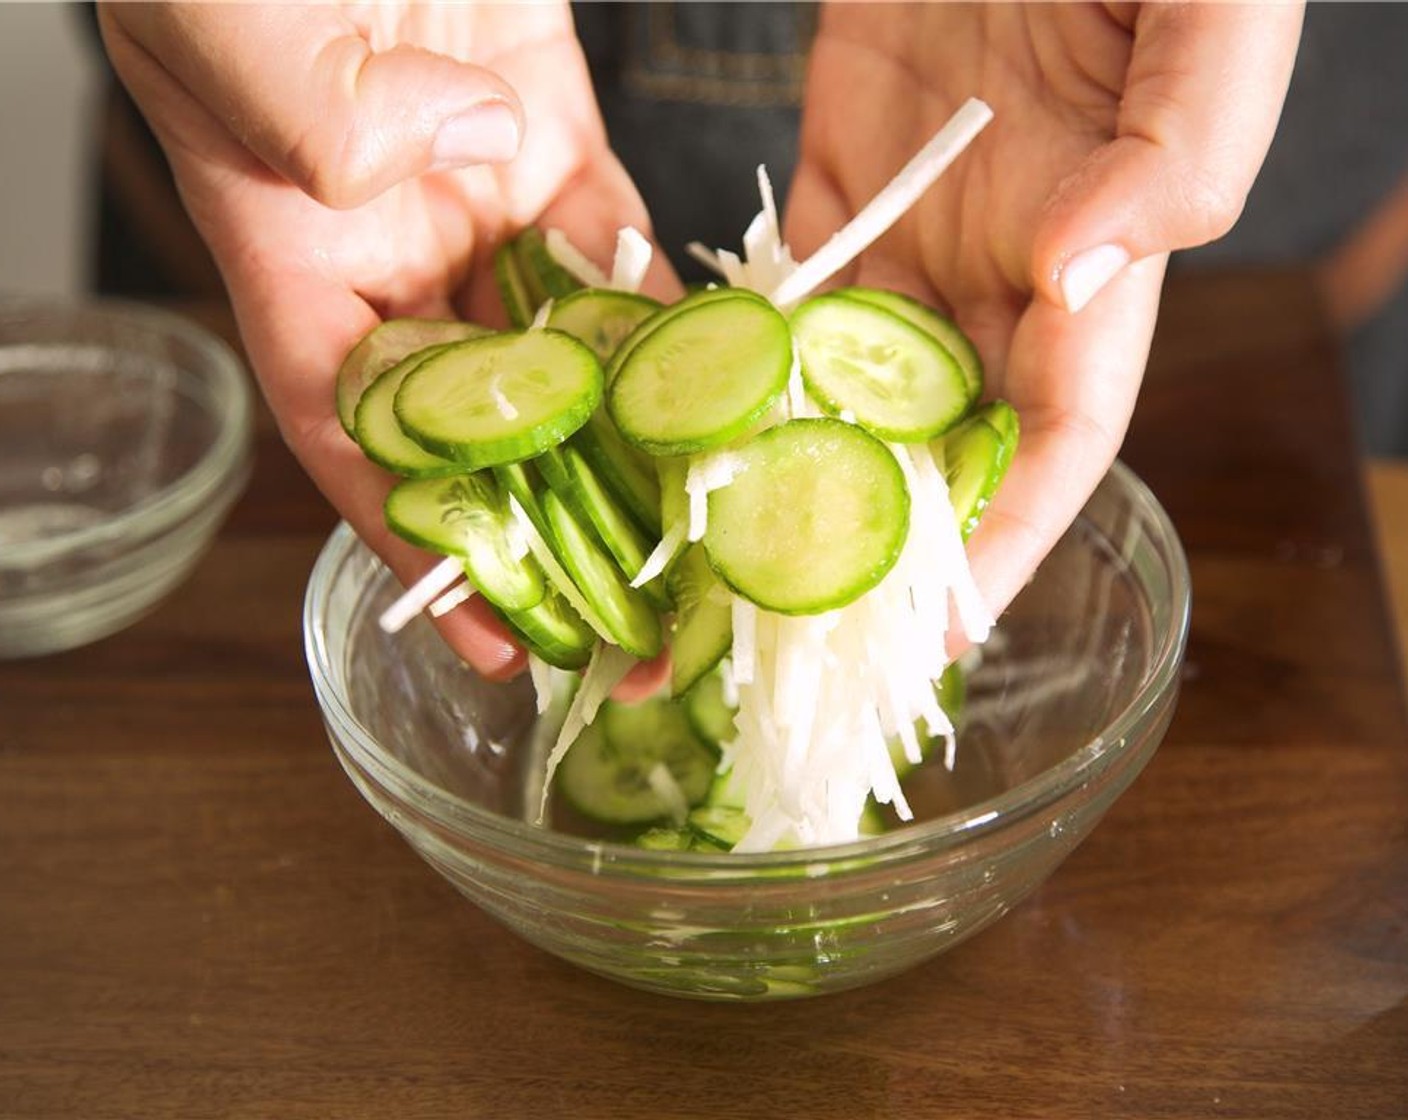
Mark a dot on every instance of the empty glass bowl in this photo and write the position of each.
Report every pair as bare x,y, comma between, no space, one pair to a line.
1071,698
125,436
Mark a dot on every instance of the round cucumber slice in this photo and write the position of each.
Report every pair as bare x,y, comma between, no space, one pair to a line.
814,518
468,516
606,773
708,712
976,455
381,348
894,378
945,331
500,398
602,319
380,436
628,474
703,376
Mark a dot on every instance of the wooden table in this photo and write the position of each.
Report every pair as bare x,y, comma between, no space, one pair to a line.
199,917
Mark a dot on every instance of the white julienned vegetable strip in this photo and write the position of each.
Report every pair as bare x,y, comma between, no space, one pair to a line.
543,554
543,677
607,668
632,261
708,472
574,260
421,594
460,593
540,320
886,208
665,787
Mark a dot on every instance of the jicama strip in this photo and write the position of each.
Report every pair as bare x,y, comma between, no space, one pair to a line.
421,594
574,260
542,675
460,593
887,207
632,260
664,786
607,668
706,472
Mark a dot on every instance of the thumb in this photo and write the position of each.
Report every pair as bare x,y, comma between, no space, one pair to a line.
302,89
1202,97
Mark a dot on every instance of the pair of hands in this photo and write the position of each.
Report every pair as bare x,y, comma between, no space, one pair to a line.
350,164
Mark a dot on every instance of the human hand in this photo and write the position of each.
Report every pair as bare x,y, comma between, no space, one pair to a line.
1120,133
352,164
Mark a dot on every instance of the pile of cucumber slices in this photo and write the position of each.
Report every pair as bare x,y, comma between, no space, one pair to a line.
614,470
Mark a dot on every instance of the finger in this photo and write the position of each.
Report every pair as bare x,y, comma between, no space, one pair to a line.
304,90
1202,98
294,356
1073,381
645,680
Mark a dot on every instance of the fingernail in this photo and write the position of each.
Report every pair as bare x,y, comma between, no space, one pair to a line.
1086,273
488,133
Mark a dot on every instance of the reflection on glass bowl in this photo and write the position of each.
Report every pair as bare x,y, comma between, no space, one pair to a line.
1069,702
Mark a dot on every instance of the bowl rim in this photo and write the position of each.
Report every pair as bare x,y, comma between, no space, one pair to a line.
224,461
523,840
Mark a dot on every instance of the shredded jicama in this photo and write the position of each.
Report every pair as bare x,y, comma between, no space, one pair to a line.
607,668
460,593
421,594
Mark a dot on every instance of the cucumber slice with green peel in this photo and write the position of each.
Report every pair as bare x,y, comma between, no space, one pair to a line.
708,713
815,517
513,288
703,629
553,631
895,379
500,398
628,474
725,792
381,348
669,840
522,482
703,376
601,318
606,774
927,319
571,477
722,825
543,276
468,516
695,299
976,455
379,434
631,621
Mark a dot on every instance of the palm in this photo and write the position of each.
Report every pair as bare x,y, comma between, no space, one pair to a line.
972,244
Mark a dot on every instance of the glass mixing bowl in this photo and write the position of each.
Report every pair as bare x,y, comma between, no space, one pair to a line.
1072,696
125,436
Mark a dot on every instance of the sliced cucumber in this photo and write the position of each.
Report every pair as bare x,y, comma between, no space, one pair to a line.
500,398
630,620
930,321
543,276
976,455
693,300
897,380
379,434
815,517
513,289
703,376
553,631
667,840
708,712
468,516
723,825
571,477
628,474
606,773
381,348
601,318
703,631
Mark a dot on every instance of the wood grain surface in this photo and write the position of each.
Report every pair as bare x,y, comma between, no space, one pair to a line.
199,916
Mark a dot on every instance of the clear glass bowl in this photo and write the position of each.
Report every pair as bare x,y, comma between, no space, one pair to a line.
1072,697
125,436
